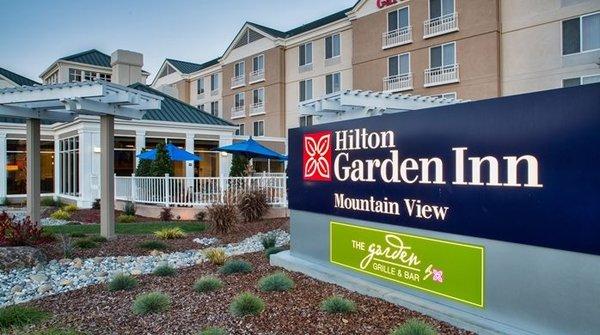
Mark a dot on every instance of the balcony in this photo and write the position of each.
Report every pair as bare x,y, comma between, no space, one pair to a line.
305,68
200,96
398,83
257,108
333,60
397,37
441,75
440,25
238,81
238,112
214,92
256,76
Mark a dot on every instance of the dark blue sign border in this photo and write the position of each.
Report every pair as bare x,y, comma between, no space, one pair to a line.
560,127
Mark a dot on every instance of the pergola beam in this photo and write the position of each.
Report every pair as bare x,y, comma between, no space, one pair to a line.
86,106
40,114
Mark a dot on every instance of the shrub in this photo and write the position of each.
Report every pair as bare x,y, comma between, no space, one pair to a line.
70,208
207,284
18,316
164,270
235,266
278,281
98,238
201,216
14,232
60,215
85,244
253,205
153,302
213,331
337,304
414,327
268,241
129,208
124,218
239,165
48,202
166,214
153,245
246,304
144,167
96,204
170,233
272,251
222,218
162,164
67,246
122,282
216,256
77,235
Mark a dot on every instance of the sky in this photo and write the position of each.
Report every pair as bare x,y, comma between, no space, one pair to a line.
36,33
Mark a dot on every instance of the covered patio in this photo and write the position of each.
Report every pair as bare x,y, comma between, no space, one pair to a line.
64,103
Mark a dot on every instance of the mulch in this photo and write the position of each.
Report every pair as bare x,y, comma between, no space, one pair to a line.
95,310
91,215
126,245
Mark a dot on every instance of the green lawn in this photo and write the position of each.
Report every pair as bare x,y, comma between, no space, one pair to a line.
128,228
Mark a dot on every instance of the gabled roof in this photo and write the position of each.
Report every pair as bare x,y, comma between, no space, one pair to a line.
90,57
16,78
270,31
318,23
189,67
175,110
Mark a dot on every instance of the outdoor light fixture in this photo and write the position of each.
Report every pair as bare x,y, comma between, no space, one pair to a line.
223,153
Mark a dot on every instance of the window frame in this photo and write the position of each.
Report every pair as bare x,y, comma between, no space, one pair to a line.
581,51
332,75
339,36
397,17
239,65
258,122
398,56
241,129
263,62
215,82
212,110
442,54
198,81
441,9
300,90
300,54
236,99
259,89
305,123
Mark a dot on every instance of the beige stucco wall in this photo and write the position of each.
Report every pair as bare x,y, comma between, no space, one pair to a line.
532,57
205,99
5,83
319,71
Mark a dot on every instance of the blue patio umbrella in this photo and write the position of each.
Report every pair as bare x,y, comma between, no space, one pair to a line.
252,149
174,153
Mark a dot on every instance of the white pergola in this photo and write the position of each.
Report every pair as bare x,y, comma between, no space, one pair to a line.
351,104
63,103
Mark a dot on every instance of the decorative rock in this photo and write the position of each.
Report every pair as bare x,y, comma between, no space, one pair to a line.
44,288
18,257
64,261
38,278
136,272
66,282
155,253
16,288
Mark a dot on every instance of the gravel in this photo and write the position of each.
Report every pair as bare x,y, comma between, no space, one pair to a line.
58,276
20,214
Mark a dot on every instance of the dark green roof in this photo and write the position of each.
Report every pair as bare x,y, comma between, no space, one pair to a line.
189,67
91,57
17,79
175,110
270,31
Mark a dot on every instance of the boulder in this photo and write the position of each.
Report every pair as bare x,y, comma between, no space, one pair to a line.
18,257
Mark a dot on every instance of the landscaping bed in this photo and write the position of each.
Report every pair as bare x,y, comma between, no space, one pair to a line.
96,310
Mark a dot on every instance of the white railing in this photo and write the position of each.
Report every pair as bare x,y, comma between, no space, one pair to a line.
257,108
256,76
396,37
199,191
305,68
200,96
441,75
238,112
238,81
440,25
397,83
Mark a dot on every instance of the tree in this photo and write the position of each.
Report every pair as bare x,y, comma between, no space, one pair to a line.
162,164
144,168
238,166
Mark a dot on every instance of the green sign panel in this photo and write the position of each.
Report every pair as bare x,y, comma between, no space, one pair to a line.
449,269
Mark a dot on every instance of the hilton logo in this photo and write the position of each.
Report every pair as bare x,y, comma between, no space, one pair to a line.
317,156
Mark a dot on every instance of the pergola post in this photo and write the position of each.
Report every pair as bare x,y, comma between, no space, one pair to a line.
33,170
107,167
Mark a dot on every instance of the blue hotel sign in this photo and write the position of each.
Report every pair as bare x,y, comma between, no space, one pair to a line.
522,169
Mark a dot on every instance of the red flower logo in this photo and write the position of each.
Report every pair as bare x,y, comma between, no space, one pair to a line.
317,156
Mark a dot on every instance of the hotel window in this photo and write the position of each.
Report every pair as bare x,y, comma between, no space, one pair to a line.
305,54
258,63
239,100
88,75
332,83
398,19
238,69
124,155
306,120
332,46
214,82
581,34
241,129
200,83
259,128
209,165
442,56
399,65
74,75
439,8
69,165
306,90
570,82
104,76
16,166
258,96
214,108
